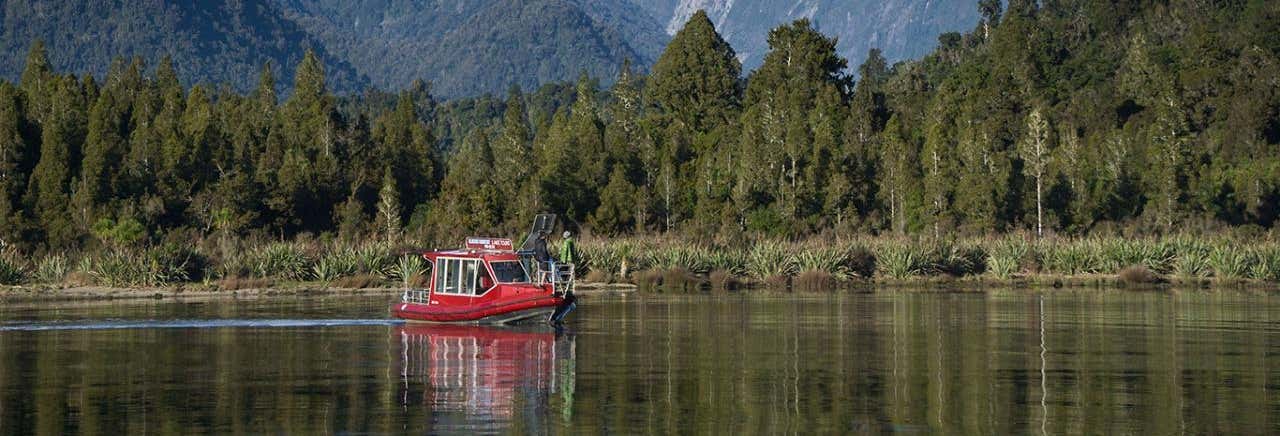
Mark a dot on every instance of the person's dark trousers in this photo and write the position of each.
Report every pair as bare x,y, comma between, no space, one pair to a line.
562,311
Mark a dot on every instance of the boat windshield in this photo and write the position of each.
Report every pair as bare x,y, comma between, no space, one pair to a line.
510,272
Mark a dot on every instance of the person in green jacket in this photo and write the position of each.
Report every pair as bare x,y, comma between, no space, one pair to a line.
567,248
568,251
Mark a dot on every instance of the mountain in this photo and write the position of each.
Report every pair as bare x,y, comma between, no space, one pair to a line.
902,29
463,47
467,47
209,41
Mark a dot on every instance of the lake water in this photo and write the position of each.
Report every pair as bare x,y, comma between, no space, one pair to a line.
1054,362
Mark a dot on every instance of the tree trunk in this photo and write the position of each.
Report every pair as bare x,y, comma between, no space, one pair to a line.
937,197
893,205
1039,210
666,178
791,206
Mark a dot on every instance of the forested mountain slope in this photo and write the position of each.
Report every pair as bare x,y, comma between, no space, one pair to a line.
463,47
469,47
210,41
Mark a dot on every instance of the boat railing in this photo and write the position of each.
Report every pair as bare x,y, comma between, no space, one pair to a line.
416,296
559,275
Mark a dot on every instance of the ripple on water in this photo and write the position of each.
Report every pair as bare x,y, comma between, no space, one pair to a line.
195,324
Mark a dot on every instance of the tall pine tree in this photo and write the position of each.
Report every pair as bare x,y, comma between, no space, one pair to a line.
514,158
49,189
104,149
801,69
696,77
14,168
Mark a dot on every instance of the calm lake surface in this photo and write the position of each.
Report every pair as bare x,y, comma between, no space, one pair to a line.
1056,362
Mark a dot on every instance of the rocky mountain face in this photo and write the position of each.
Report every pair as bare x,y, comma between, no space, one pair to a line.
903,29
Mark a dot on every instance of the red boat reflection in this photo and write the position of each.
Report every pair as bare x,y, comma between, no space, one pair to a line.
479,376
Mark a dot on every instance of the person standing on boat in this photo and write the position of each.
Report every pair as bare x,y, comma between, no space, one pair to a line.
567,255
539,247
567,248
568,251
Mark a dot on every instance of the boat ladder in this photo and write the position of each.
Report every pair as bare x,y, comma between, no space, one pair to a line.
559,275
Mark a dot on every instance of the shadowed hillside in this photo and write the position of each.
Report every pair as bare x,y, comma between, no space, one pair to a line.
209,41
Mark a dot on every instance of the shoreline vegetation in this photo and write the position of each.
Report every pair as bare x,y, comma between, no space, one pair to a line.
888,263
883,264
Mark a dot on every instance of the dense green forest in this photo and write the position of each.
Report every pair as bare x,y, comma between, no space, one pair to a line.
1060,117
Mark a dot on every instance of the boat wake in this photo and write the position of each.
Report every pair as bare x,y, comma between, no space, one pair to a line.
196,324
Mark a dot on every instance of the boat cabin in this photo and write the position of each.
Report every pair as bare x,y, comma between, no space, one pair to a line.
474,273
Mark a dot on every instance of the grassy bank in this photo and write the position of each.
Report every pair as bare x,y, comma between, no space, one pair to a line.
814,264
834,263
227,266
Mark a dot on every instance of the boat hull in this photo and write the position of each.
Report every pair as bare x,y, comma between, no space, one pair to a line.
488,313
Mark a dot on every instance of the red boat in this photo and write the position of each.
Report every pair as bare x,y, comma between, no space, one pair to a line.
486,282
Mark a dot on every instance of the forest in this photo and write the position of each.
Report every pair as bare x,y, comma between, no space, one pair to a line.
1052,118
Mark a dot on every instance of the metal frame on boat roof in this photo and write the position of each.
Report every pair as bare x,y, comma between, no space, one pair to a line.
543,224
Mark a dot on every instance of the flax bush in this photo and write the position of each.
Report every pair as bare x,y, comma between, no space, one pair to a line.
334,265
52,269
1070,257
374,259
1004,257
768,259
1229,262
599,255
900,260
408,268
832,260
1192,265
1266,264
731,261
1190,258
142,267
1116,254
690,258
957,259
12,267
280,260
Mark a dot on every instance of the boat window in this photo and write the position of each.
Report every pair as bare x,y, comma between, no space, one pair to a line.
467,276
440,267
453,277
460,277
510,272
483,280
